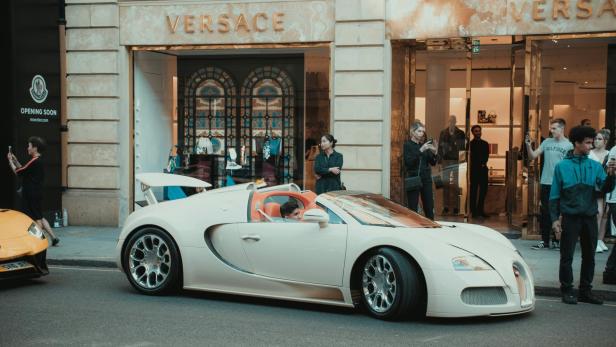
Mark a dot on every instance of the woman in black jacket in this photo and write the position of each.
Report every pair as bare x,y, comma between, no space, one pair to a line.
418,157
328,166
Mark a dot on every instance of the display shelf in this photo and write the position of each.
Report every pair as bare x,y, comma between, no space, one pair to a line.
501,126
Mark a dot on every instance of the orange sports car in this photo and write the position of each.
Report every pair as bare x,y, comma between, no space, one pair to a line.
23,246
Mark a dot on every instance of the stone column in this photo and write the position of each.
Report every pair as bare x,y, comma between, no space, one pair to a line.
92,44
360,119
437,97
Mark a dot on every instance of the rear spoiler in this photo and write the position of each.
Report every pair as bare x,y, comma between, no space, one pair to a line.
157,179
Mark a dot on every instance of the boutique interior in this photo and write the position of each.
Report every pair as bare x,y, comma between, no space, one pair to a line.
482,82
230,116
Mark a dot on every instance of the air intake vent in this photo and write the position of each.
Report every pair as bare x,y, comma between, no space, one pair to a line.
484,296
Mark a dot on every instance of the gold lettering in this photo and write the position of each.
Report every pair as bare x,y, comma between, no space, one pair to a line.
241,23
538,11
255,22
561,6
277,21
517,15
584,9
188,24
223,23
173,26
206,21
608,5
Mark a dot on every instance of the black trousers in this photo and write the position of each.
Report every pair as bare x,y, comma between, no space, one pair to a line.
545,221
451,199
610,266
427,199
479,182
586,229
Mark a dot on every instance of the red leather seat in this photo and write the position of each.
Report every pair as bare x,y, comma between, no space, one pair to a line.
272,209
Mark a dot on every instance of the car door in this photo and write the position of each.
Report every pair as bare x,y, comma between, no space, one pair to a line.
296,251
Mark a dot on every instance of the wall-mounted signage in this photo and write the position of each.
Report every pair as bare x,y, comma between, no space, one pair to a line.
226,23
420,19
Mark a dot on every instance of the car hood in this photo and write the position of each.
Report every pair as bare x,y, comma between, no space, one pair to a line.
483,242
13,224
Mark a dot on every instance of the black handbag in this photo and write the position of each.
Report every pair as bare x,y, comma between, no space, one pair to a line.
414,182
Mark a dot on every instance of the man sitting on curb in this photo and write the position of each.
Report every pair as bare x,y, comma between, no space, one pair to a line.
572,195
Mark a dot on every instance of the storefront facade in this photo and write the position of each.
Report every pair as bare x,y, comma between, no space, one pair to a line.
356,68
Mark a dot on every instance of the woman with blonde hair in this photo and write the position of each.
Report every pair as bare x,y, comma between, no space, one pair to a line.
419,155
599,153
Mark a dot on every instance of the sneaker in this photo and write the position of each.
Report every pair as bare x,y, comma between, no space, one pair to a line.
602,244
569,299
599,248
589,298
556,245
540,245
609,277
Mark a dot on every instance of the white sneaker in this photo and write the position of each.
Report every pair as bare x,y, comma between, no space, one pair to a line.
602,245
599,248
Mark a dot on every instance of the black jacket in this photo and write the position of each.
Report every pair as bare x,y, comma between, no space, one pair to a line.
413,157
328,181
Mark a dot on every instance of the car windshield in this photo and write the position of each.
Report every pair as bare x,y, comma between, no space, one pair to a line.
374,209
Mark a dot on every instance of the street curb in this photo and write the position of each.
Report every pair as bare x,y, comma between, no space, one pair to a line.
606,295
83,262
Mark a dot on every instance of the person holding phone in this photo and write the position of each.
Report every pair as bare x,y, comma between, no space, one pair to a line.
419,156
32,176
328,166
554,149
573,211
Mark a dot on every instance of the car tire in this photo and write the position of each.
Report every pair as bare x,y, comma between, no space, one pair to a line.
391,286
151,262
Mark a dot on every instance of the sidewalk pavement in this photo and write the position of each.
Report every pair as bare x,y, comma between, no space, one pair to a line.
95,246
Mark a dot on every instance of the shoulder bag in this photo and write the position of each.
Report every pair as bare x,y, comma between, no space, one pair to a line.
414,182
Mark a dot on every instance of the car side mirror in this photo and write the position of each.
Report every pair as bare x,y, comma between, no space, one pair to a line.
316,215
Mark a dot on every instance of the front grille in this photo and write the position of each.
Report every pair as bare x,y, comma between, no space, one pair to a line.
484,296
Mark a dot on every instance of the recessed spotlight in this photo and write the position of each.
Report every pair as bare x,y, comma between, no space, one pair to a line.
568,46
585,82
564,68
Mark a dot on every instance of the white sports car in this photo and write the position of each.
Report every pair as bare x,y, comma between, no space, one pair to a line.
349,249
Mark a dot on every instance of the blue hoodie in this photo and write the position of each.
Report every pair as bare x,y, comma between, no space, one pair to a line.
576,179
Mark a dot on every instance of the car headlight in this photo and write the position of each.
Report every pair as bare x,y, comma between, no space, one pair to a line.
469,263
35,231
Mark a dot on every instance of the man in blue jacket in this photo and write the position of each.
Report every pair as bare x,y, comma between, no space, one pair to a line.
573,196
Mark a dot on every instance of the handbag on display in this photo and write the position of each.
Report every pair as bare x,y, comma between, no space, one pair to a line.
414,182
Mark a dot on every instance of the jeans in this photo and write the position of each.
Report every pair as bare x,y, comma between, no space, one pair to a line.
586,228
545,221
427,200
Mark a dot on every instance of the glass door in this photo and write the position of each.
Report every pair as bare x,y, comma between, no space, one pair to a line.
442,94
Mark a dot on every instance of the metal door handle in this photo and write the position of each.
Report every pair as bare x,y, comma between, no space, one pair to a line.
251,237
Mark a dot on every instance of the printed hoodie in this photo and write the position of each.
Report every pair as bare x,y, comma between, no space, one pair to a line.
576,181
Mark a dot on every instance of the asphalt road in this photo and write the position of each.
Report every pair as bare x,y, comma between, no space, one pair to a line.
97,307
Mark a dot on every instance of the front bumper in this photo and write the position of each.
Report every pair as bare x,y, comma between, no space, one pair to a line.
446,295
36,266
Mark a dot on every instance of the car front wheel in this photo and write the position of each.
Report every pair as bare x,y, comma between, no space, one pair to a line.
391,286
151,262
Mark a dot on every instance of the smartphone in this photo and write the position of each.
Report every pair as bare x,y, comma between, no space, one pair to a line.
429,141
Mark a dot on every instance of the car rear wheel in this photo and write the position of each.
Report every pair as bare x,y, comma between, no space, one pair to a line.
152,262
391,286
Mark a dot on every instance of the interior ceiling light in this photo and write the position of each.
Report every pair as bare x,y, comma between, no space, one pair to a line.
564,68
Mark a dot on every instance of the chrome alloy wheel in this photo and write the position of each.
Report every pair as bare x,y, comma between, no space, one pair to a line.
150,261
379,283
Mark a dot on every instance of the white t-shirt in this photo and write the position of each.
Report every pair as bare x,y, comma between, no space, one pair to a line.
553,152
